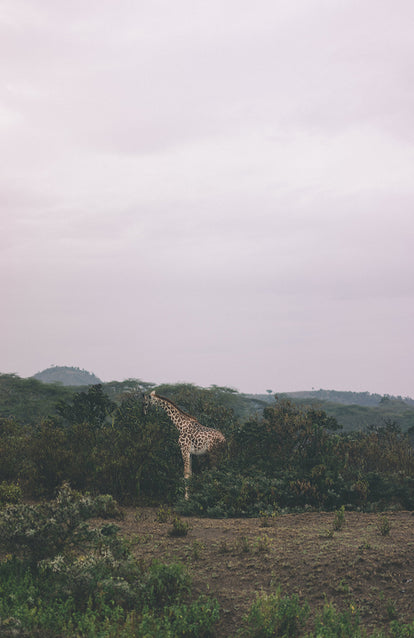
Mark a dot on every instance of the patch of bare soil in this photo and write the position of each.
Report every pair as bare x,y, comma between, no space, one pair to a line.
232,559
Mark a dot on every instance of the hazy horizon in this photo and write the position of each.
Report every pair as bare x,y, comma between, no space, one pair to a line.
230,387
217,193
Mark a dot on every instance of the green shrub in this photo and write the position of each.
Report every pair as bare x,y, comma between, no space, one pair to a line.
394,488
26,603
94,577
164,584
10,493
163,514
331,623
194,620
102,578
43,531
179,528
47,459
384,525
33,604
339,519
400,630
276,615
39,531
225,493
97,594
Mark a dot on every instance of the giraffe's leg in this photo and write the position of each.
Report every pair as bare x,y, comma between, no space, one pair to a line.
187,469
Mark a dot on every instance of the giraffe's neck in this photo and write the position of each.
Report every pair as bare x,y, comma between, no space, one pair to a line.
175,414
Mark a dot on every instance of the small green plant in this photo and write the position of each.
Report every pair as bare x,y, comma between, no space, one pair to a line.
343,587
243,544
276,615
224,547
266,518
179,528
364,545
262,543
142,539
197,550
163,514
339,519
327,533
391,610
384,525
10,493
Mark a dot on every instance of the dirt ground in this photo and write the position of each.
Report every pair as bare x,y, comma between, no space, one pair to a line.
232,559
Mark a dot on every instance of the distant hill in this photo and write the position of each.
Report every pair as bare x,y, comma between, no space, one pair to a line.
352,410
67,375
336,396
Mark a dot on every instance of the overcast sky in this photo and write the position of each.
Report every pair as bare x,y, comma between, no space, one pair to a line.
212,191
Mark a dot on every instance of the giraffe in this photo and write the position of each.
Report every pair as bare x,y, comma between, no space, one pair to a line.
194,438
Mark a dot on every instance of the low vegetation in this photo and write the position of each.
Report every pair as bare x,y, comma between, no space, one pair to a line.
61,576
69,570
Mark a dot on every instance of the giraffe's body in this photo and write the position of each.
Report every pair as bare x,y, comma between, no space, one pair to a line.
194,438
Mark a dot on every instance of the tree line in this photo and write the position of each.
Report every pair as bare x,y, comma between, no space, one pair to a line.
287,457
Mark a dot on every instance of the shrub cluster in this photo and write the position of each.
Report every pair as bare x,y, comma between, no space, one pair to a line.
132,456
296,459
64,578
289,458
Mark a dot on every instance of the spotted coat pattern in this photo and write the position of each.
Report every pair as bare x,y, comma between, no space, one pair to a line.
194,438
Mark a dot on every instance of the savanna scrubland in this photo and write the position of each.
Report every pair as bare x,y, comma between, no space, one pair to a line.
298,527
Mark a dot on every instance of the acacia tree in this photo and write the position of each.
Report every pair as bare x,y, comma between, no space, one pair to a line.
92,407
287,437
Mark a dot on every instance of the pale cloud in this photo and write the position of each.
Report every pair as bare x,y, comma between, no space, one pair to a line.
217,191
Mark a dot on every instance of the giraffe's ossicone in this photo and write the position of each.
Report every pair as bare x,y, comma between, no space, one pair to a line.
194,438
